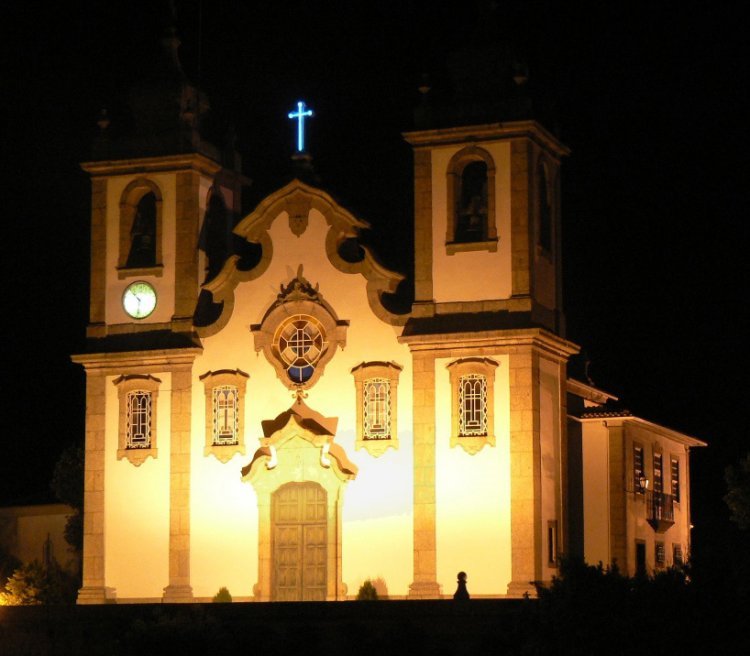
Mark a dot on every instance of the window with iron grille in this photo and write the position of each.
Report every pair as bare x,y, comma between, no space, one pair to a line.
376,387
660,557
376,409
225,415
139,419
638,473
225,402
472,383
472,403
658,473
675,474
677,555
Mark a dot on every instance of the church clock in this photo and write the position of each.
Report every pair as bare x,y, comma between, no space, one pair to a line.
139,299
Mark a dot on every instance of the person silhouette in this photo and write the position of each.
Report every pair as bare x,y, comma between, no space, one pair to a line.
461,594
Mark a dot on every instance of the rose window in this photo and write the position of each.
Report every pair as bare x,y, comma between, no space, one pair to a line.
299,343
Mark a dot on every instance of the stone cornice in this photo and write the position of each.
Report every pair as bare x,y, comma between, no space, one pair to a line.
487,132
638,422
442,344
136,361
193,161
589,392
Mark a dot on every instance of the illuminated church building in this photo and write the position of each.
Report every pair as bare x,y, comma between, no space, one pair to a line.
261,416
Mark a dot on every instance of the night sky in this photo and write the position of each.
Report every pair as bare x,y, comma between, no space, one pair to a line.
654,194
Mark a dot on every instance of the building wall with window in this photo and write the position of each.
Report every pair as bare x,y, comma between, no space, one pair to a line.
37,533
376,522
630,515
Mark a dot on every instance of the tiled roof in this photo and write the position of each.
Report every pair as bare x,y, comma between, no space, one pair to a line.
604,411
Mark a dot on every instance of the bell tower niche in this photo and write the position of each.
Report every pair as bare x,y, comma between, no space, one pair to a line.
486,184
155,189
487,222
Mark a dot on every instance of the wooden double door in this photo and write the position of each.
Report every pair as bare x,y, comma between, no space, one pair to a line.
299,526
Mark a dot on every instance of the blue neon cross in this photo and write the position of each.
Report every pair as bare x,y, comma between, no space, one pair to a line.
301,114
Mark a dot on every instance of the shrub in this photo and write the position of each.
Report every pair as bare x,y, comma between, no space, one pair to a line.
34,584
367,592
222,596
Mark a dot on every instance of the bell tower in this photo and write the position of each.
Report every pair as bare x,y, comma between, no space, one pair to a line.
488,307
164,200
487,222
153,189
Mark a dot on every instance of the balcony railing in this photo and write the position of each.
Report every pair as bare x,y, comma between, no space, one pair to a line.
659,510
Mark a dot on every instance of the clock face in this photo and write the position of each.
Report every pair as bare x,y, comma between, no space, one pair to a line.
139,299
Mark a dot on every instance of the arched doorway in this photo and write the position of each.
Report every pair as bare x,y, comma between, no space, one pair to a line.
299,538
299,475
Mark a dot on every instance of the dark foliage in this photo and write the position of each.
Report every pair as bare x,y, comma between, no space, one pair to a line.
67,486
67,478
596,609
34,584
738,492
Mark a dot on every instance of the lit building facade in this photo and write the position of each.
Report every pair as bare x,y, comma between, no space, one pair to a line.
260,417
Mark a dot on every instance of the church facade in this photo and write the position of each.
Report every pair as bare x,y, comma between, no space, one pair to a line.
269,423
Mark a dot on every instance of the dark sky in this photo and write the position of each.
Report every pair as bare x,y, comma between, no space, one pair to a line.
655,196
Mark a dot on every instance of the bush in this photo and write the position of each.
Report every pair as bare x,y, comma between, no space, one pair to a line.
367,592
32,584
222,596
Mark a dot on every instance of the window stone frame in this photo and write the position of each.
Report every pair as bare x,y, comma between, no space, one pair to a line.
212,379
454,175
299,297
126,385
672,460
363,372
639,473
486,367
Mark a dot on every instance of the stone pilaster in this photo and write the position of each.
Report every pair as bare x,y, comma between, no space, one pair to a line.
562,452
262,589
179,589
423,226
618,519
425,584
525,483
98,250
186,259
520,209
93,590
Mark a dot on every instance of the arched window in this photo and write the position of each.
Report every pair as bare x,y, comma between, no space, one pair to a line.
473,403
140,229
471,211
376,384
137,424
471,223
143,234
225,415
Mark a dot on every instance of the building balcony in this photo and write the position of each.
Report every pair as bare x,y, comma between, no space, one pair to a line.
659,510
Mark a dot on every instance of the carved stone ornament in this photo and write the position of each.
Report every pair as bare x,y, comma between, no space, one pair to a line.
299,334
298,289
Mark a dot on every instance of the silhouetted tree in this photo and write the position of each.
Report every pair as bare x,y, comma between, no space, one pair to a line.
737,497
67,486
